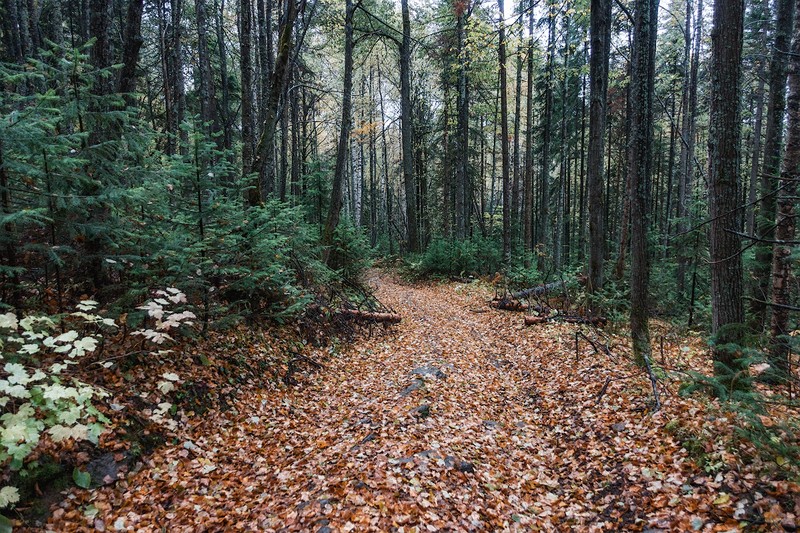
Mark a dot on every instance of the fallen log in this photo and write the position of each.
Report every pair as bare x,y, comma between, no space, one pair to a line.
507,304
598,321
371,316
539,290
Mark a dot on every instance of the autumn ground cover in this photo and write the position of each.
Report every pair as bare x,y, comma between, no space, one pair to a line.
459,418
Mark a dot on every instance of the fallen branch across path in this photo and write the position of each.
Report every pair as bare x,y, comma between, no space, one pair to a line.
598,321
371,316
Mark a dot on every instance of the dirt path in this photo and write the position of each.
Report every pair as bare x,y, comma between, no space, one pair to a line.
457,419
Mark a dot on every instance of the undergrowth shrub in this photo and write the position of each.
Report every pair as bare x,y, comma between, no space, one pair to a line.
450,257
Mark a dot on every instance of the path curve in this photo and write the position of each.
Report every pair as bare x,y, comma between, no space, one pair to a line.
508,435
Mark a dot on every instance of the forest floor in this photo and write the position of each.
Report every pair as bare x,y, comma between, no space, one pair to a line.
459,418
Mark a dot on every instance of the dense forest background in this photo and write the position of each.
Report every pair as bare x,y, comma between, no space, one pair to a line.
250,152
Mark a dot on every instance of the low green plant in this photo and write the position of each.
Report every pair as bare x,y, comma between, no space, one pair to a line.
36,393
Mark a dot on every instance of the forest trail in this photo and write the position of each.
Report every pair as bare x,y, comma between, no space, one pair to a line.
457,419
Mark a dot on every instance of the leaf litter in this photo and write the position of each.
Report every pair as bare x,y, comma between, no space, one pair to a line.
451,420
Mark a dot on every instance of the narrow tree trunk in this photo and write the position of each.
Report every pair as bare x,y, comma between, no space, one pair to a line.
755,159
528,204
344,135
544,196
462,168
786,216
264,156
515,168
248,128
685,183
773,141
504,140
406,127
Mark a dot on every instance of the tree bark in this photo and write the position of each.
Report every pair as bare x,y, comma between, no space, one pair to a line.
786,215
504,139
528,179
773,140
600,38
724,137
335,208
406,126
264,154
132,44
462,164
544,197
248,128
207,94
639,169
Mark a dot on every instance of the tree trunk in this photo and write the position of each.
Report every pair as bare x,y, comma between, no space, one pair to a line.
600,38
344,135
504,139
528,185
248,128
132,43
264,156
207,94
406,126
544,196
462,165
640,169
786,215
773,140
723,148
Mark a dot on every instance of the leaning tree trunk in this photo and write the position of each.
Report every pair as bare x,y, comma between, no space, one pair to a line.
785,222
344,135
264,158
600,36
727,308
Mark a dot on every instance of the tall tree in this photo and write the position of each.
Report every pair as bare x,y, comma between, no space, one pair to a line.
786,217
407,126
501,50
132,43
724,136
543,238
688,127
640,168
264,153
461,8
773,141
528,178
600,37
335,208
246,69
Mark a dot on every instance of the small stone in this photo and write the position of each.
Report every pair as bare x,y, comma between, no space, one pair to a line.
429,370
466,467
618,427
416,385
490,424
